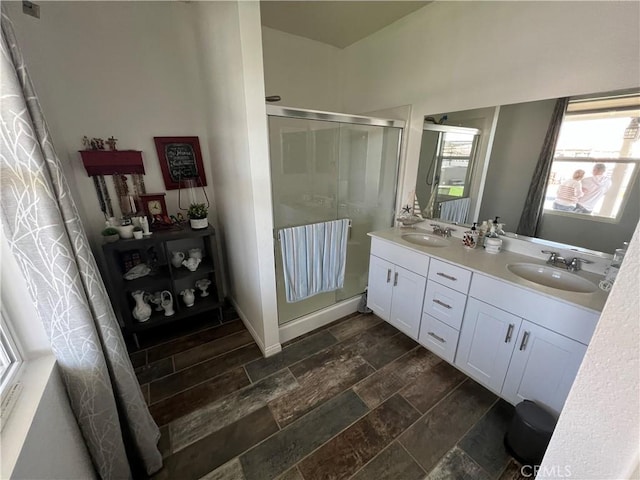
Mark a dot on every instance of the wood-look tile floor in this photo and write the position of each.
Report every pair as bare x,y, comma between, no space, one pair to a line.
355,399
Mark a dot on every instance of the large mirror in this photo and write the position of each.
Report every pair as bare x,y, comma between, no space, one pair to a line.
592,193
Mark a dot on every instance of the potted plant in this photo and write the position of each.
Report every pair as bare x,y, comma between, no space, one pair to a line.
198,216
110,235
137,233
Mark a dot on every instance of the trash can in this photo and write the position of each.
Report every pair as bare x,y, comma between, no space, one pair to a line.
529,433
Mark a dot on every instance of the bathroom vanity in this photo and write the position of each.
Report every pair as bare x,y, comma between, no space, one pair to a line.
520,339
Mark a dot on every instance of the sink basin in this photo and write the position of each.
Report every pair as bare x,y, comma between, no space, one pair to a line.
426,240
552,277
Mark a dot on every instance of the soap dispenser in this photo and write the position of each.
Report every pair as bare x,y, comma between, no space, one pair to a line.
612,270
471,237
493,243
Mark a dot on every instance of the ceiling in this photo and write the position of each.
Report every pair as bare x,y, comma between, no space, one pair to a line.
337,23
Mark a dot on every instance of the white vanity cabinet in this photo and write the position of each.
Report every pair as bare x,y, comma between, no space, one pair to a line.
486,343
524,346
520,343
444,303
543,367
397,279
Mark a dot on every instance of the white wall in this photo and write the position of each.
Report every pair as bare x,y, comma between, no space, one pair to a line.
54,447
451,56
597,435
519,136
127,69
305,73
229,39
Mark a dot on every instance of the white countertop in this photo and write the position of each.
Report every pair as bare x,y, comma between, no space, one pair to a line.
495,265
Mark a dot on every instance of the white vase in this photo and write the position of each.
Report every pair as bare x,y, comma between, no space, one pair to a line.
166,303
192,263
142,310
195,253
203,285
188,297
198,223
144,223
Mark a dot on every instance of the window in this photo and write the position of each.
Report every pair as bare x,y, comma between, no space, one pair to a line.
10,359
596,158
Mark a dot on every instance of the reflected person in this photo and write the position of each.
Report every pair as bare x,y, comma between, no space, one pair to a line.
593,189
569,192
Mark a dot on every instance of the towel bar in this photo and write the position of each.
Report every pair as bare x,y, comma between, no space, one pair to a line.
276,233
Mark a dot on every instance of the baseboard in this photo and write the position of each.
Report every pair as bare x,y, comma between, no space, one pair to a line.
314,320
268,351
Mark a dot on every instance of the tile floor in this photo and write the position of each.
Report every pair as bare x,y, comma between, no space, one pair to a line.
356,399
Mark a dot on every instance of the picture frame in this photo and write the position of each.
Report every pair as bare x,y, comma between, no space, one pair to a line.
154,205
180,161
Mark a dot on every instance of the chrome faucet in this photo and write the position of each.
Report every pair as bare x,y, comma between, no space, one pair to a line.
554,258
573,265
443,232
576,263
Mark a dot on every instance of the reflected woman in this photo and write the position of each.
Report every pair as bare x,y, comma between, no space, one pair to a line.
569,192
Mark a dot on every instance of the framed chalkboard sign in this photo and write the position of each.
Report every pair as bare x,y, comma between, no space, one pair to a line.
180,161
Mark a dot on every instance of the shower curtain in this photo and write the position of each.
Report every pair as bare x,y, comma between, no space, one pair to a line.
43,229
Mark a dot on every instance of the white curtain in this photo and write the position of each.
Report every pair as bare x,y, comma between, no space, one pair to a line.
42,226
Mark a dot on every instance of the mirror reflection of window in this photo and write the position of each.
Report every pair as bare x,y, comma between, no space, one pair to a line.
447,158
599,137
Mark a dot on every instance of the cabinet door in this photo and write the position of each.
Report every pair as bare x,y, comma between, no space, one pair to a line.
543,367
486,343
380,287
406,302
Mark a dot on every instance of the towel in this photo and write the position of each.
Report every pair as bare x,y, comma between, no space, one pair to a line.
455,210
314,258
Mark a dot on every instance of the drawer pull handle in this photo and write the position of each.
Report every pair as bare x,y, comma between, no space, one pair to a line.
525,339
448,277
507,339
388,275
442,304
395,279
440,339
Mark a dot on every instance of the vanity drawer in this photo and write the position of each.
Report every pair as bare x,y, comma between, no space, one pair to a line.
449,275
438,337
404,257
445,304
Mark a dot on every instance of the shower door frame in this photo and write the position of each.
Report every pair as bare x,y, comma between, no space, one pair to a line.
341,118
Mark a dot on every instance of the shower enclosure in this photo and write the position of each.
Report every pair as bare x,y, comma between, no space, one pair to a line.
328,166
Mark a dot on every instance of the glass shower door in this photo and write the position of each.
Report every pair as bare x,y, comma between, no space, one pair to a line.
323,171
367,177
